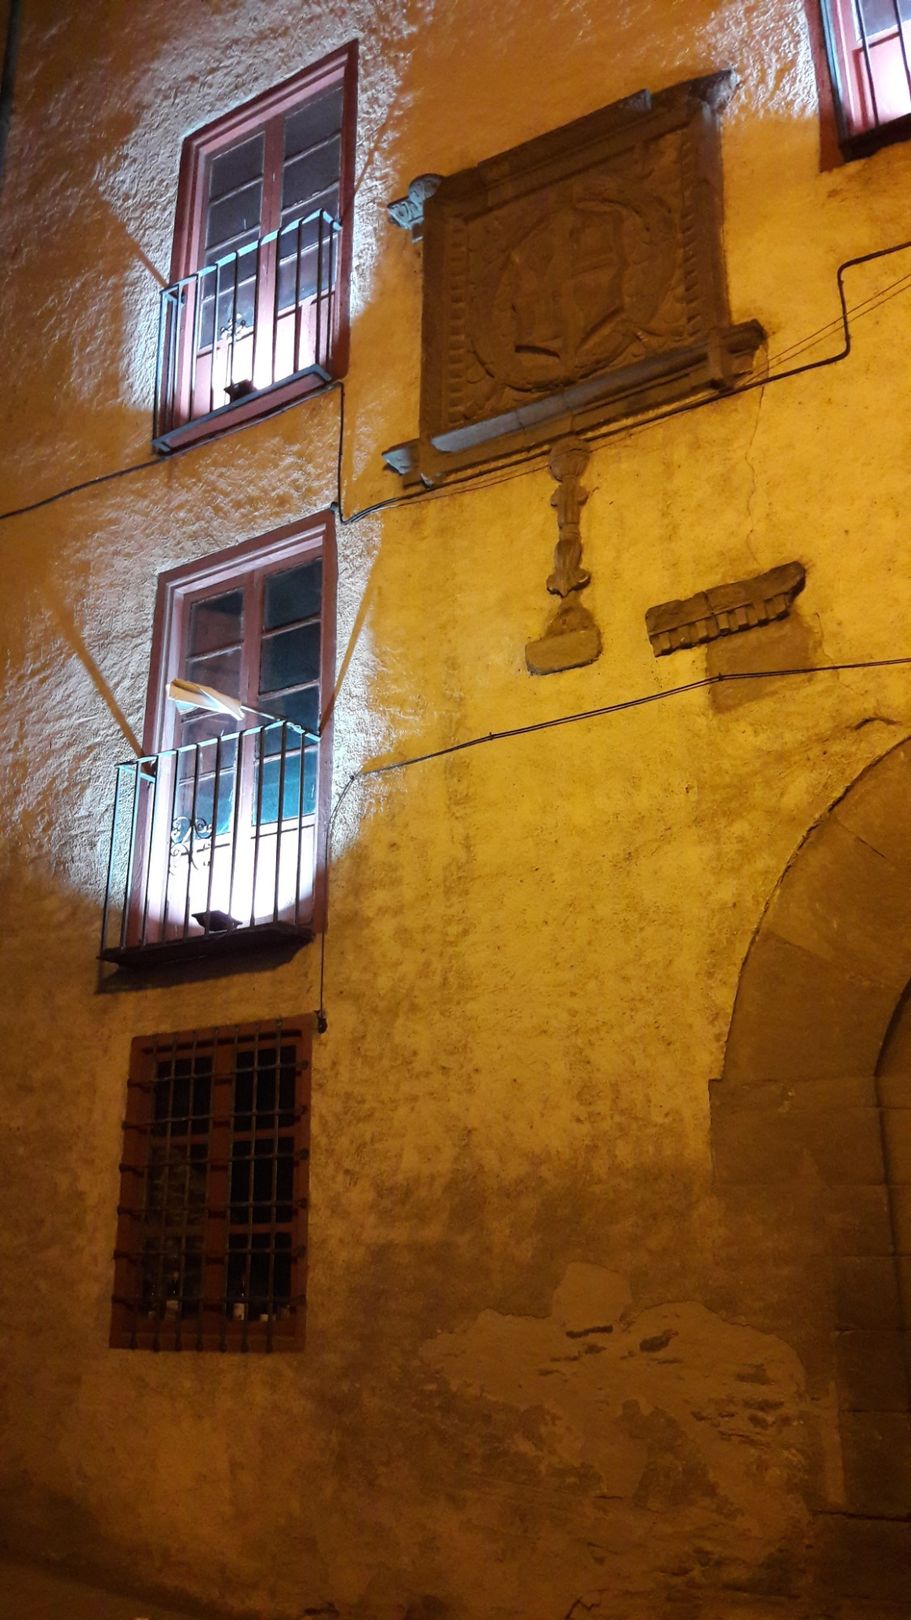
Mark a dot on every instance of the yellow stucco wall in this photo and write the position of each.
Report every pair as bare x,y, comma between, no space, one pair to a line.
534,946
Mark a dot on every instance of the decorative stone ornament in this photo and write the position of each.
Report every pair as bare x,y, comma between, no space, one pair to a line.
724,609
408,211
574,280
572,636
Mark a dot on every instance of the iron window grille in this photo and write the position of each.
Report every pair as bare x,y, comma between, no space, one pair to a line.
868,43
211,1231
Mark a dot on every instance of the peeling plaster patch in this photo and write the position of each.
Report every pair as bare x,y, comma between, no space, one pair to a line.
679,1437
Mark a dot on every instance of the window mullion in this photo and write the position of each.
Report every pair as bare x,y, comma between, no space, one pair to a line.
215,1290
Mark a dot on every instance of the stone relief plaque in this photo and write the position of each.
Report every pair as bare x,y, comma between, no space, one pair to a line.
576,279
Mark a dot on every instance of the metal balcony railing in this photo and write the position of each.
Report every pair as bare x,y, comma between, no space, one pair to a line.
869,47
258,319
213,847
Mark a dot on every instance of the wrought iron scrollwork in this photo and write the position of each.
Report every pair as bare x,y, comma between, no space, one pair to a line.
190,839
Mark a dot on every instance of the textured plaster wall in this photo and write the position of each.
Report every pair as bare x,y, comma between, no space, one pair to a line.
547,1372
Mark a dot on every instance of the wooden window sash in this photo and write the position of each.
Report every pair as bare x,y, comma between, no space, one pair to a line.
188,414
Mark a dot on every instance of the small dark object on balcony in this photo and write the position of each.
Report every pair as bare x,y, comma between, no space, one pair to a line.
217,922
240,389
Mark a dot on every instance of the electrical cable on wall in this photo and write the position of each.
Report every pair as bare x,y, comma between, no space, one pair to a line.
624,704
517,467
520,464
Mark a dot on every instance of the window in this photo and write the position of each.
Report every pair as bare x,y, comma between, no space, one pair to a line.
212,1215
215,844
869,49
257,311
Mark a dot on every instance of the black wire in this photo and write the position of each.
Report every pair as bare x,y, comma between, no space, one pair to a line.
568,720
156,461
521,460
74,489
455,485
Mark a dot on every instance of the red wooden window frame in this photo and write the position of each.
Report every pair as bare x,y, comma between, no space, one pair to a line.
183,1267
180,587
871,76
266,113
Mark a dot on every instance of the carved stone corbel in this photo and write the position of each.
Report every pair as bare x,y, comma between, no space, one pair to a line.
408,211
723,610
572,637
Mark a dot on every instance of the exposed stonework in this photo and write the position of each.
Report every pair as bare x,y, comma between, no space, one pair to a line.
576,278
572,637
724,609
686,1423
815,1108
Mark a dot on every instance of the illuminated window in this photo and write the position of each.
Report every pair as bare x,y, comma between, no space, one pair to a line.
257,311
212,1214
869,49
215,846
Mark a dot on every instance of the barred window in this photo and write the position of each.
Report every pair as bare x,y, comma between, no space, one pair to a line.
212,1217
869,49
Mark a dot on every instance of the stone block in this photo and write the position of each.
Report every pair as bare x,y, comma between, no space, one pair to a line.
858,1221
843,901
797,1095
903,1267
900,1198
877,1462
777,1145
897,1132
894,1090
773,1036
866,1293
878,807
872,1375
863,1557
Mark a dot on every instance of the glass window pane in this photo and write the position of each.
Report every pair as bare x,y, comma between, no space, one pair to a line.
216,622
221,670
292,804
204,729
236,306
317,272
301,707
293,594
236,167
879,15
205,805
220,261
307,177
289,658
318,118
239,212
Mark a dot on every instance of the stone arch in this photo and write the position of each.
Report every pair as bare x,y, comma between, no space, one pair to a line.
811,1120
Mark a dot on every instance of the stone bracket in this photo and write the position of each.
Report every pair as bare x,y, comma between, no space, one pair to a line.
723,610
408,212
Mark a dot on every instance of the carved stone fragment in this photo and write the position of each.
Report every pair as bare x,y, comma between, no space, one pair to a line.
573,280
408,211
572,636
724,609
